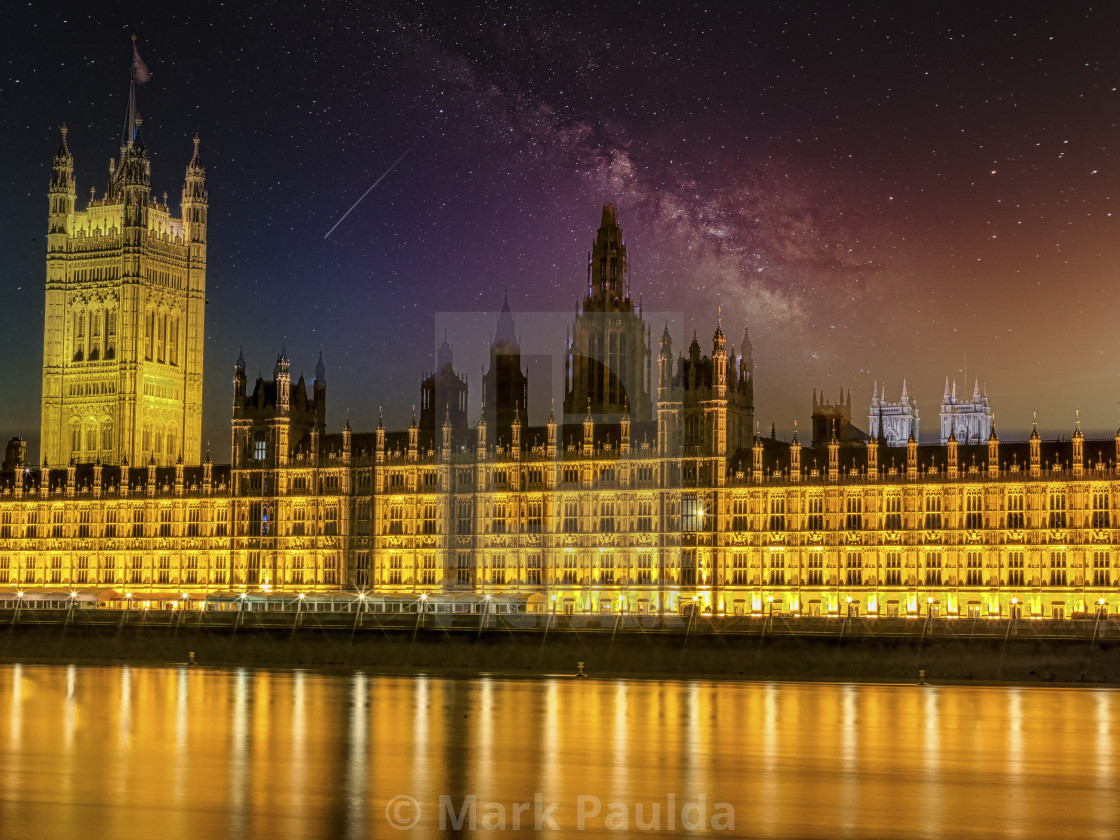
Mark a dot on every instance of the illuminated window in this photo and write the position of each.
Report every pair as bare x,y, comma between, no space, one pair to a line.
498,570
1015,568
933,510
396,570
645,515
645,567
854,512
534,522
464,518
893,572
777,568
464,571
330,569
1057,507
606,567
165,521
933,568
973,518
691,517
428,570
396,518
777,513
893,519
429,526
297,570
260,449
533,568
815,520
1101,518
56,569
606,516
498,520
361,569
974,573
81,573
739,512
571,569
688,567
164,569
191,574
1101,575
814,574
571,517
740,568
854,568
1058,568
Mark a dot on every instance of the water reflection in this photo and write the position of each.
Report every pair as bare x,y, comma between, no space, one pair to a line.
184,752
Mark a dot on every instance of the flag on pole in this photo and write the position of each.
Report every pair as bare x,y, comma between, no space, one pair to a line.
139,68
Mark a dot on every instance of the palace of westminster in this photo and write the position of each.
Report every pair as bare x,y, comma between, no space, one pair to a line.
652,493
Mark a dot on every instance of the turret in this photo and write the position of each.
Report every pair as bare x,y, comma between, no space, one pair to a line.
664,365
96,479
993,451
872,457
588,433
553,449
719,358
1036,450
1078,449
756,460
195,204
795,456
445,442
208,473
834,454
62,195
911,456
624,443
952,447
515,432
282,375
379,436
239,384
347,442
413,439
179,478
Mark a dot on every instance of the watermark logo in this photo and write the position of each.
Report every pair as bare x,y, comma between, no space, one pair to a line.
402,812
586,813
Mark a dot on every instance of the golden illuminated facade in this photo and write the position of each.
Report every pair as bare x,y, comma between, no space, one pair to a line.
688,510
125,300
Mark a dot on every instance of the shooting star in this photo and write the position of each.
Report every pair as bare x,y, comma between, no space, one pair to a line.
367,192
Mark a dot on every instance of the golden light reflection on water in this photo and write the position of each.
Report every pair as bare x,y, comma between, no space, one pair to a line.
189,752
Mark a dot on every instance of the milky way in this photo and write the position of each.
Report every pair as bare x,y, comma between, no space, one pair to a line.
921,194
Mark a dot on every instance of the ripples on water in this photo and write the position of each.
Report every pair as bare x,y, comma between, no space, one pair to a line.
95,752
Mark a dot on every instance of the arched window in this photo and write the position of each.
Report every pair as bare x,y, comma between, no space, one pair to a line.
171,443
79,336
95,334
147,447
158,447
173,342
106,435
76,438
111,334
91,437
149,336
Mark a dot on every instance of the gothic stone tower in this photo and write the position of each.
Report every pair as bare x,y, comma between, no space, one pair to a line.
505,385
125,298
608,359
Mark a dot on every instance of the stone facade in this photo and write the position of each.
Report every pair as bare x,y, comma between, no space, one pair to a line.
125,306
970,421
893,422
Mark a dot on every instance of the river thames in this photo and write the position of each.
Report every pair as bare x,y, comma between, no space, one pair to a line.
115,752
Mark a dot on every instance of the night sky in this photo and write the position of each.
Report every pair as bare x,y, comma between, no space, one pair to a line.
921,192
